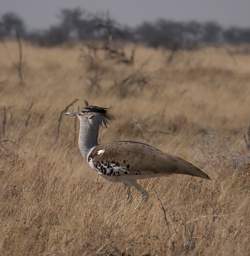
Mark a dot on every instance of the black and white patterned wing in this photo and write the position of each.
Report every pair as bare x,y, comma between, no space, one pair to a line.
134,158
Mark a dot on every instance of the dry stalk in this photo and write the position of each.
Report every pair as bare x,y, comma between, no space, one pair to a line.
173,54
94,68
127,60
27,120
59,121
4,121
231,55
94,80
188,237
212,216
89,54
119,55
167,223
92,48
133,83
20,62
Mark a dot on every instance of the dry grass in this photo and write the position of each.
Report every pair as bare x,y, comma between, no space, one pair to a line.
51,203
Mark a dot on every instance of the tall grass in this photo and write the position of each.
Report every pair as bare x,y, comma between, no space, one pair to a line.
196,107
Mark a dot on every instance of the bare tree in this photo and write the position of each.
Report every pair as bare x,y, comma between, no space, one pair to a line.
11,24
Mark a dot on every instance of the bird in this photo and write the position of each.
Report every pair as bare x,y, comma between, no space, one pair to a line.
125,161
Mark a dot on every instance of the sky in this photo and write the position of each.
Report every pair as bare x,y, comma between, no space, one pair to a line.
42,13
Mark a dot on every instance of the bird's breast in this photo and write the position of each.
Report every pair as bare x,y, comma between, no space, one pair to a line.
108,168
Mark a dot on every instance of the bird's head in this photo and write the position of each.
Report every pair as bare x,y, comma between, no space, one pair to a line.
92,115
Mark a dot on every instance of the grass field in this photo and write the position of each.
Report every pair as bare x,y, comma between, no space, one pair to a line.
196,106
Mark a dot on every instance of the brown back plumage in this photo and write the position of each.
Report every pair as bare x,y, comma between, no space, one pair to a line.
143,160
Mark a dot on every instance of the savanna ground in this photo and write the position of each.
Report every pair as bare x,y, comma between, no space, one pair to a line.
195,106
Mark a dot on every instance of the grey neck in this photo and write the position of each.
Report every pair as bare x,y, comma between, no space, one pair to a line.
88,136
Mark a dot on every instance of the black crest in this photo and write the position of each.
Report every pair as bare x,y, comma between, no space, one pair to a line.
96,109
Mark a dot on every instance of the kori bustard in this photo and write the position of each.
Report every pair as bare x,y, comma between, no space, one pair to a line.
125,161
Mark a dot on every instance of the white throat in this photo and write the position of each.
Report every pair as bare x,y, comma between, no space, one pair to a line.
88,136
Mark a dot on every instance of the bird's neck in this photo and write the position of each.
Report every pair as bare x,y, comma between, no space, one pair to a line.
88,137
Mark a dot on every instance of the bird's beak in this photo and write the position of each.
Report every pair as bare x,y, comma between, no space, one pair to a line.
72,114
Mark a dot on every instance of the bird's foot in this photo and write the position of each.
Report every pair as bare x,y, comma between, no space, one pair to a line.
129,194
144,197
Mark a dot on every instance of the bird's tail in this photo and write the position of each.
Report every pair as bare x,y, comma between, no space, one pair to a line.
187,168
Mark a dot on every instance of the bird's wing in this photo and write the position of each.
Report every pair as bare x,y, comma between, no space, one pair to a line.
134,158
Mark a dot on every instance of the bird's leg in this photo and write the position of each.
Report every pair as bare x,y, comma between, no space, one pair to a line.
144,193
129,194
